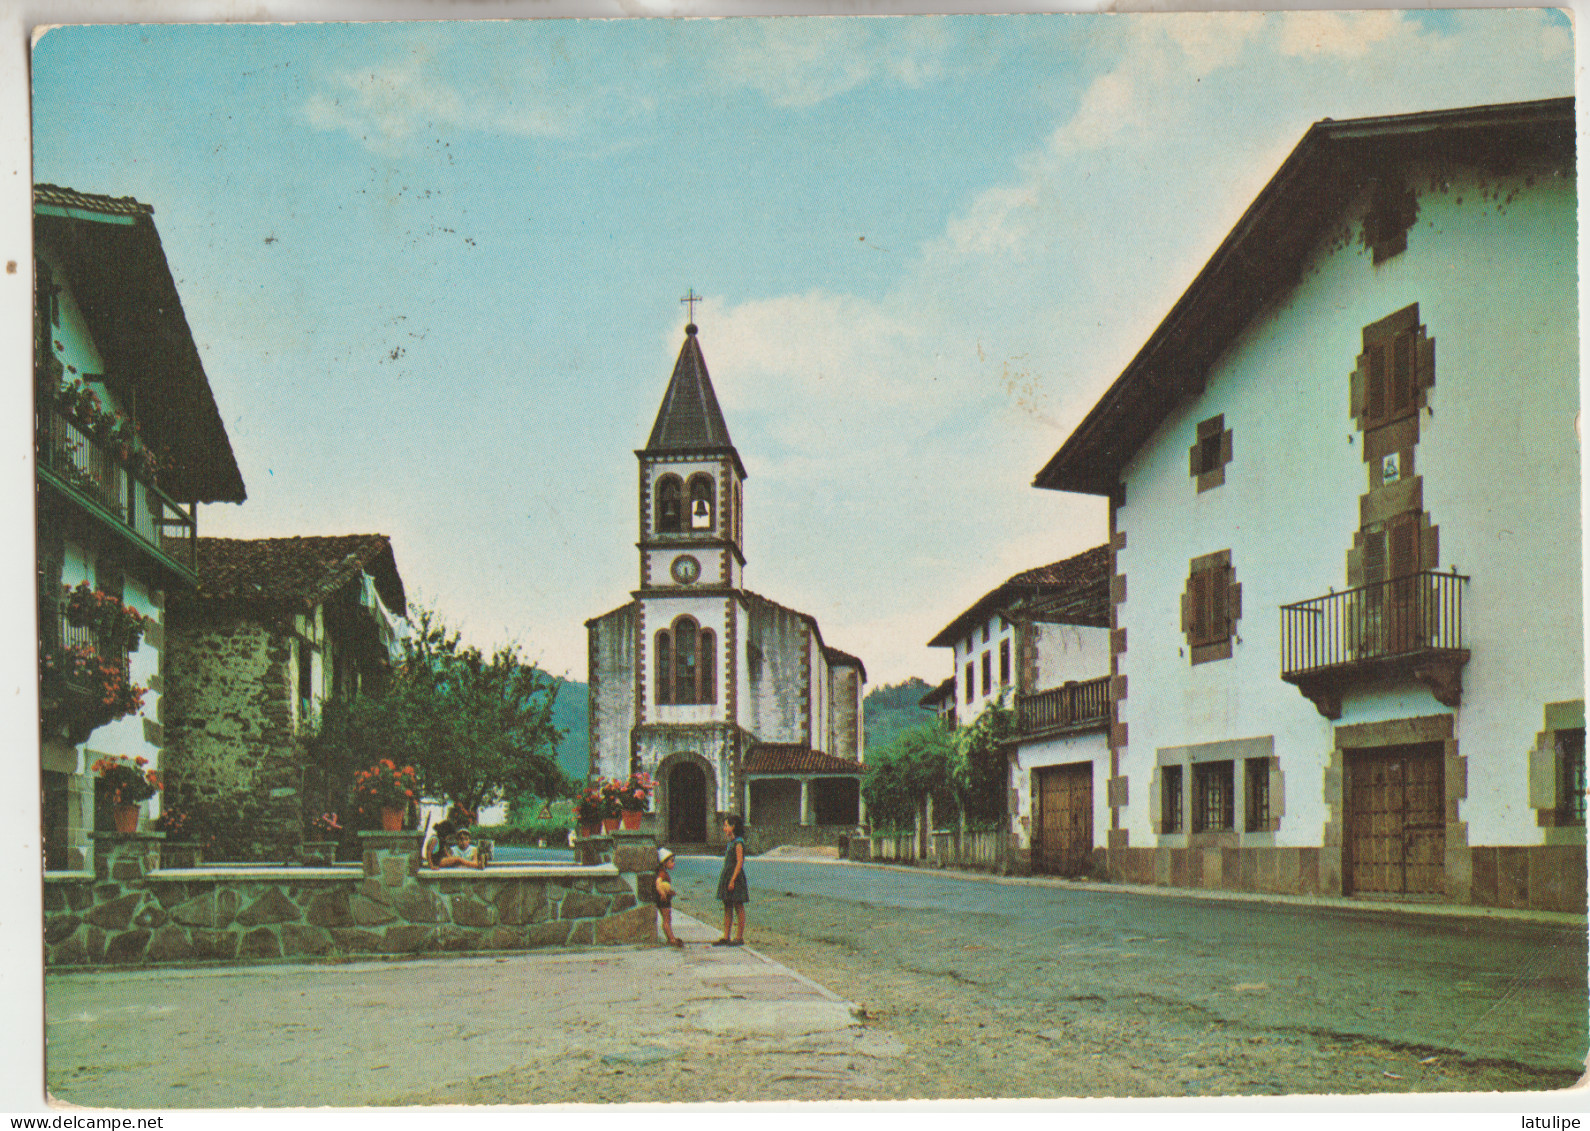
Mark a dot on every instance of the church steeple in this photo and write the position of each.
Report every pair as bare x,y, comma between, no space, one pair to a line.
689,419
691,527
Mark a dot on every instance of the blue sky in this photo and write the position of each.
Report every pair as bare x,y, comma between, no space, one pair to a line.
434,269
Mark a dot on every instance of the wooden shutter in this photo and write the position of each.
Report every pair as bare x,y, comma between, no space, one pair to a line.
1375,390
1400,392
1403,546
1219,607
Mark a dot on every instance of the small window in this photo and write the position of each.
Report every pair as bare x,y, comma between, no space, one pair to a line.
1170,794
969,645
1212,797
701,502
668,490
971,683
1004,663
988,674
1256,791
985,634
1208,458
1395,367
1571,791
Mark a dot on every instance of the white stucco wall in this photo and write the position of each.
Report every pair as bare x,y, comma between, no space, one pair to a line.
1069,652
1090,747
1491,263
972,651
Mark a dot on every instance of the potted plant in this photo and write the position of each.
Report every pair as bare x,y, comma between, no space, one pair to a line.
588,810
325,833
612,804
634,798
127,785
181,849
388,789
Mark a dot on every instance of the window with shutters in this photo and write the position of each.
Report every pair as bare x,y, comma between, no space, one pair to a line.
988,674
1211,606
971,685
1208,457
668,493
1256,794
1397,365
1170,796
1571,784
1004,663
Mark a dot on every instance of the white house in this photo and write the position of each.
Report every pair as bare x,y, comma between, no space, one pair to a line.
128,442
733,703
1344,487
1039,643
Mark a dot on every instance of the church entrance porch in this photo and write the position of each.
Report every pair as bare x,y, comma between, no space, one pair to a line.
687,804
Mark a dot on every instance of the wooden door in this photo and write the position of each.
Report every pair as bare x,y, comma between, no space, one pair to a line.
1396,820
687,804
1063,845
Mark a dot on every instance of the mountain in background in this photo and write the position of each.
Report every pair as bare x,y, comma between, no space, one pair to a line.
893,708
889,710
571,715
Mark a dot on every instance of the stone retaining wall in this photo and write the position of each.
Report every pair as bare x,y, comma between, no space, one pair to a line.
134,912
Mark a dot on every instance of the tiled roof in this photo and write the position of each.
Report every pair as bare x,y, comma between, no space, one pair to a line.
300,572
843,659
1264,255
689,418
794,758
942,693
1075,590
89,201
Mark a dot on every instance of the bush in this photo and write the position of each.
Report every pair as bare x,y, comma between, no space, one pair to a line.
528,833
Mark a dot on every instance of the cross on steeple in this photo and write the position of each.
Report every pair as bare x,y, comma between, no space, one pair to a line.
691,299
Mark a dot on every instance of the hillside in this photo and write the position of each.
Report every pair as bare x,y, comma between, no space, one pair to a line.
893,708
570,715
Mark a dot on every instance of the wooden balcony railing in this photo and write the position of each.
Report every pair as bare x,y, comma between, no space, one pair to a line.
1074,705
1411,624
78,459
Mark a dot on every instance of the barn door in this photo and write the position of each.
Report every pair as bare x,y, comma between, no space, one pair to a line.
1064,844
1396,820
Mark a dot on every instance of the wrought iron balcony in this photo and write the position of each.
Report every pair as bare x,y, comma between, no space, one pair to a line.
1074,705
72,458
1409,626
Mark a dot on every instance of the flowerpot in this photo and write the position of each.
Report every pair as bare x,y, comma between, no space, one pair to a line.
126,817
632,819
392,818
590,828
609,824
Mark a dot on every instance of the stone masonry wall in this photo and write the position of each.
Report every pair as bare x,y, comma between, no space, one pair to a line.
132,912
229,728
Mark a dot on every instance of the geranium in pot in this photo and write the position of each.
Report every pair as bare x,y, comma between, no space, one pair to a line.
388,789
128,783
634,798
588,810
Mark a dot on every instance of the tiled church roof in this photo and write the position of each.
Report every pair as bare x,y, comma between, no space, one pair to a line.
297,571
689,418
794,758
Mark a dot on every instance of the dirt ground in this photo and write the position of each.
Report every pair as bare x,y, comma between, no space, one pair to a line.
976,1020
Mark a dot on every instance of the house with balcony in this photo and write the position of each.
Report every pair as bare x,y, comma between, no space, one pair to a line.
128,443
274,629
1039,643
1343,477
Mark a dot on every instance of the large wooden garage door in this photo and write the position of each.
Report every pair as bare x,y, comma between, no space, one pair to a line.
1064,821
1396,820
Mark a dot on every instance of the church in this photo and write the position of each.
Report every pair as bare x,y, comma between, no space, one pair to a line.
731,702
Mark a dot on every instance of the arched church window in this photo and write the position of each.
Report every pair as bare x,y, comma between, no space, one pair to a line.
685,668
701,502
706,667
663,658
668,490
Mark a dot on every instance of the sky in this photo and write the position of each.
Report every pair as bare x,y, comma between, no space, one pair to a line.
434,270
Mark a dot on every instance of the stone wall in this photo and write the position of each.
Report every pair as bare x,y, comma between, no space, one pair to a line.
230,741
134,912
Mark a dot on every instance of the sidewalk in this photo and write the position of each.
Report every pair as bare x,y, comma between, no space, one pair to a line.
789,854
601,1025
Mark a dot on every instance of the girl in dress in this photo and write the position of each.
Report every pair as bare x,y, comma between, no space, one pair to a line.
733,892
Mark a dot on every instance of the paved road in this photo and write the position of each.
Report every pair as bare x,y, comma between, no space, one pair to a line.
1504,990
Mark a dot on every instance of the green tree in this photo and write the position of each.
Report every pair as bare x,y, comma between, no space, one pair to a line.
477,728
981,764
920,761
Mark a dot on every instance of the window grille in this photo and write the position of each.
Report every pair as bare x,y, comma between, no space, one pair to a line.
1212,797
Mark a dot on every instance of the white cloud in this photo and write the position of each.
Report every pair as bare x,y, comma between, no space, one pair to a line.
801,62
1347,35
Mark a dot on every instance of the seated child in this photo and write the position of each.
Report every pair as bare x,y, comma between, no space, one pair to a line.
464,855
